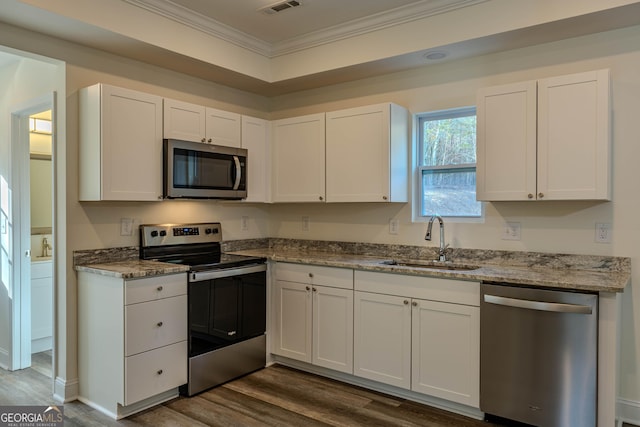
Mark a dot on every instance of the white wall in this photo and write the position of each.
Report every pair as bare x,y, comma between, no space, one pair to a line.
546,226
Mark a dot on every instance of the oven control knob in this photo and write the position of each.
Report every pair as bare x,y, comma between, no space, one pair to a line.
154,233
163,233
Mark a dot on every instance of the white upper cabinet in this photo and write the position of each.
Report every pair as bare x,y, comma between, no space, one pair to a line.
256,136
299,159
191,122
367,151
120,144
545,140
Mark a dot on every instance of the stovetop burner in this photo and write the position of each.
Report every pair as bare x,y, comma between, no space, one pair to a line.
195,245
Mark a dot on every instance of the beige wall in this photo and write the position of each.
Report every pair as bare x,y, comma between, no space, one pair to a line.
546,226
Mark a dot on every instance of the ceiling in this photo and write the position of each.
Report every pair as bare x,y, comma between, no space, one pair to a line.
311,16
315,44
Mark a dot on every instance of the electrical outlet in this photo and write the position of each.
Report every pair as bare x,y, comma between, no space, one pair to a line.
126,226
305,223
511,231
394,226
244,223
603,232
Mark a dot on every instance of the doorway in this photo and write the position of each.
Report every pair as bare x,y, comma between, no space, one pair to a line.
32,137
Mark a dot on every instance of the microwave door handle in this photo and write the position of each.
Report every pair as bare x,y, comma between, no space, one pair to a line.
236,160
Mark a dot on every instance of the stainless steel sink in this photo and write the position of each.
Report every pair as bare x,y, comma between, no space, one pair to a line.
431,265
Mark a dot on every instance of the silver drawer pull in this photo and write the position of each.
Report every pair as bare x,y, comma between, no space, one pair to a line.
231,333
159,372
159,324
160,288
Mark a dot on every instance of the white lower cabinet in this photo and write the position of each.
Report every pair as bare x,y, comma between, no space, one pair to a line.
445,354
382,330
419,333
132,341
313,309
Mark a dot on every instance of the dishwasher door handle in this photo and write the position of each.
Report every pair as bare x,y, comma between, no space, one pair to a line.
538,305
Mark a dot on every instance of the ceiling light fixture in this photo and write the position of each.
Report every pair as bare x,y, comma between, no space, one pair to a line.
279,7
435,55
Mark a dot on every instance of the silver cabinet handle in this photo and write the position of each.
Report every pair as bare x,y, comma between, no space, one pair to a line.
308,288
311,275
541,195
406,302
538,305
315,290
231,333
384,197
236,184
320,198
209,140
530,196
159,372
414,303
159,324
203,140
160,288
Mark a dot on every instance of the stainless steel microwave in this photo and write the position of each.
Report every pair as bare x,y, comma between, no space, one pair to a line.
193,170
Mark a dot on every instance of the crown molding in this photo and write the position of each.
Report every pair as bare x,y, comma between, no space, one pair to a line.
199,22
379,21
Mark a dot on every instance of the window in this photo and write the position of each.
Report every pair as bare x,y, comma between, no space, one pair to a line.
447,163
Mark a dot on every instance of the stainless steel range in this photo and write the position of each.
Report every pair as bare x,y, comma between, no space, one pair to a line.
227,301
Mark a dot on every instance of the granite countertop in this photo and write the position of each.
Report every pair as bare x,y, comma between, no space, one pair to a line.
606,278
132,269
591,273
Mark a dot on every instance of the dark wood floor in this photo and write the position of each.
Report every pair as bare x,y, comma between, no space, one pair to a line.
275,396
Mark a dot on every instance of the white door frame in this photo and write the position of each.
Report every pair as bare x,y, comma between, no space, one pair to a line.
20,351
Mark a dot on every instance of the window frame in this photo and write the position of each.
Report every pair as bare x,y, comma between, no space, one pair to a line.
421,169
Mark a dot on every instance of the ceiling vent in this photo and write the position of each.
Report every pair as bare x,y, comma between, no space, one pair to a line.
280,6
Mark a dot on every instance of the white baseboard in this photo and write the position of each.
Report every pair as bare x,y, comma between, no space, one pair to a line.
65,390
628,411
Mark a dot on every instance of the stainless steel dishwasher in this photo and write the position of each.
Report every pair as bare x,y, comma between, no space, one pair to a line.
538,355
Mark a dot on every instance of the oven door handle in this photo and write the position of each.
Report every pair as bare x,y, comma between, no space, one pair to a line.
226,272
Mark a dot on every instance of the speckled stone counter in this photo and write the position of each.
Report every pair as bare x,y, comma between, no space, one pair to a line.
559,271
123,263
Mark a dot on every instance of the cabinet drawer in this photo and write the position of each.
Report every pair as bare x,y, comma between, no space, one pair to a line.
315,275
429,288
154,372
154,288
154,324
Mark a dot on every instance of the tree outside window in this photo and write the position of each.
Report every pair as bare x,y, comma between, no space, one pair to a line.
447,163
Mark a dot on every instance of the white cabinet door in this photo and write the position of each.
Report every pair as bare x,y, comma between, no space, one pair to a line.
506,142
367,152
545,140
256,139
222,128
382,338
184,121
299,159
293,331
333,328
446,351
120,144
574,137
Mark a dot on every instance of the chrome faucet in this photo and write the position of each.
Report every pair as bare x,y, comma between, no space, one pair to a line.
46,247
442,252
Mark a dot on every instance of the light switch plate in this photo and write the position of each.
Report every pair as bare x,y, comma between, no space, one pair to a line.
126,226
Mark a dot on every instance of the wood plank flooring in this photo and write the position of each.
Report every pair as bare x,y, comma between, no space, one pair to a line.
275,396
